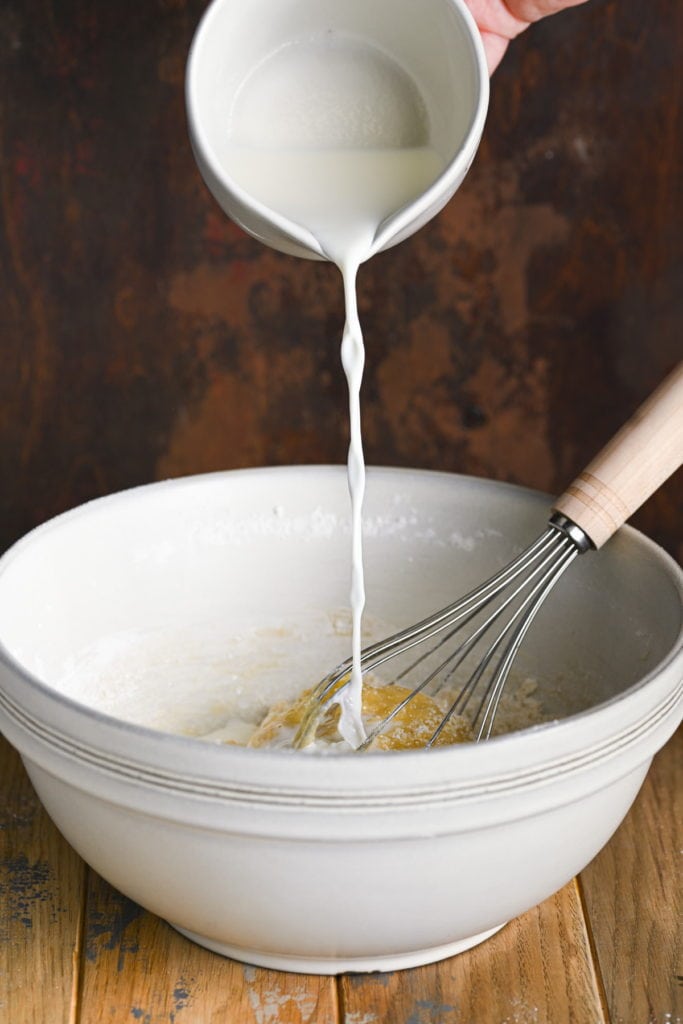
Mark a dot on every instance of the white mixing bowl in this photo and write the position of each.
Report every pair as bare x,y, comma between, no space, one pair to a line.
342,862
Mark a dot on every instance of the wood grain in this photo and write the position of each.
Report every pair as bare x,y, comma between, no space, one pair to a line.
537,970
41,901
632,892
137,968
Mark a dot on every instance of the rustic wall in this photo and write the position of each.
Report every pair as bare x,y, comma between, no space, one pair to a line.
143,335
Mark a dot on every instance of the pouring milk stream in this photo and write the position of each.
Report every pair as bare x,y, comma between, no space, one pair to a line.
326,140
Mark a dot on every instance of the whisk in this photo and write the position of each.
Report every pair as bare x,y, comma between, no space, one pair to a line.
495,617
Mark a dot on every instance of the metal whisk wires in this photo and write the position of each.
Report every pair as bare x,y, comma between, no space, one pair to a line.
630,467
498,613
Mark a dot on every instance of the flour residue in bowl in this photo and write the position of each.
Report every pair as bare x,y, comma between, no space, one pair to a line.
207,680
245,687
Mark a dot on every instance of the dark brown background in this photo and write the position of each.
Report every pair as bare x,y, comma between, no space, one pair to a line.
144,336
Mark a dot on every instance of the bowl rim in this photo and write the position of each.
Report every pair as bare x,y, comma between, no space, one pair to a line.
217,761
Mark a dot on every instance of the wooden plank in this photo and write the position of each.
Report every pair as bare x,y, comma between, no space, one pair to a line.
632,893
537,970
137,968
41,898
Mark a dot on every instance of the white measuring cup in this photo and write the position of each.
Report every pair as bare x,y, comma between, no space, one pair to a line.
430,50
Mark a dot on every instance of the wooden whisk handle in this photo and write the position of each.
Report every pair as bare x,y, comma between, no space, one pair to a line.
638,459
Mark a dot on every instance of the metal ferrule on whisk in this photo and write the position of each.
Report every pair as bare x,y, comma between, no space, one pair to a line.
560,522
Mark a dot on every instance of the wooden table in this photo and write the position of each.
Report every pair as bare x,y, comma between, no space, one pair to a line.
605,948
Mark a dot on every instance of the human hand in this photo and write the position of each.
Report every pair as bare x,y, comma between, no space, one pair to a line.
500,21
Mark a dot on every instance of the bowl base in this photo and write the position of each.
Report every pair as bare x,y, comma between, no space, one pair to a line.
339,965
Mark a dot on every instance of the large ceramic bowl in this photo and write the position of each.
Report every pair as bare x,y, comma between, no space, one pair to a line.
341,862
